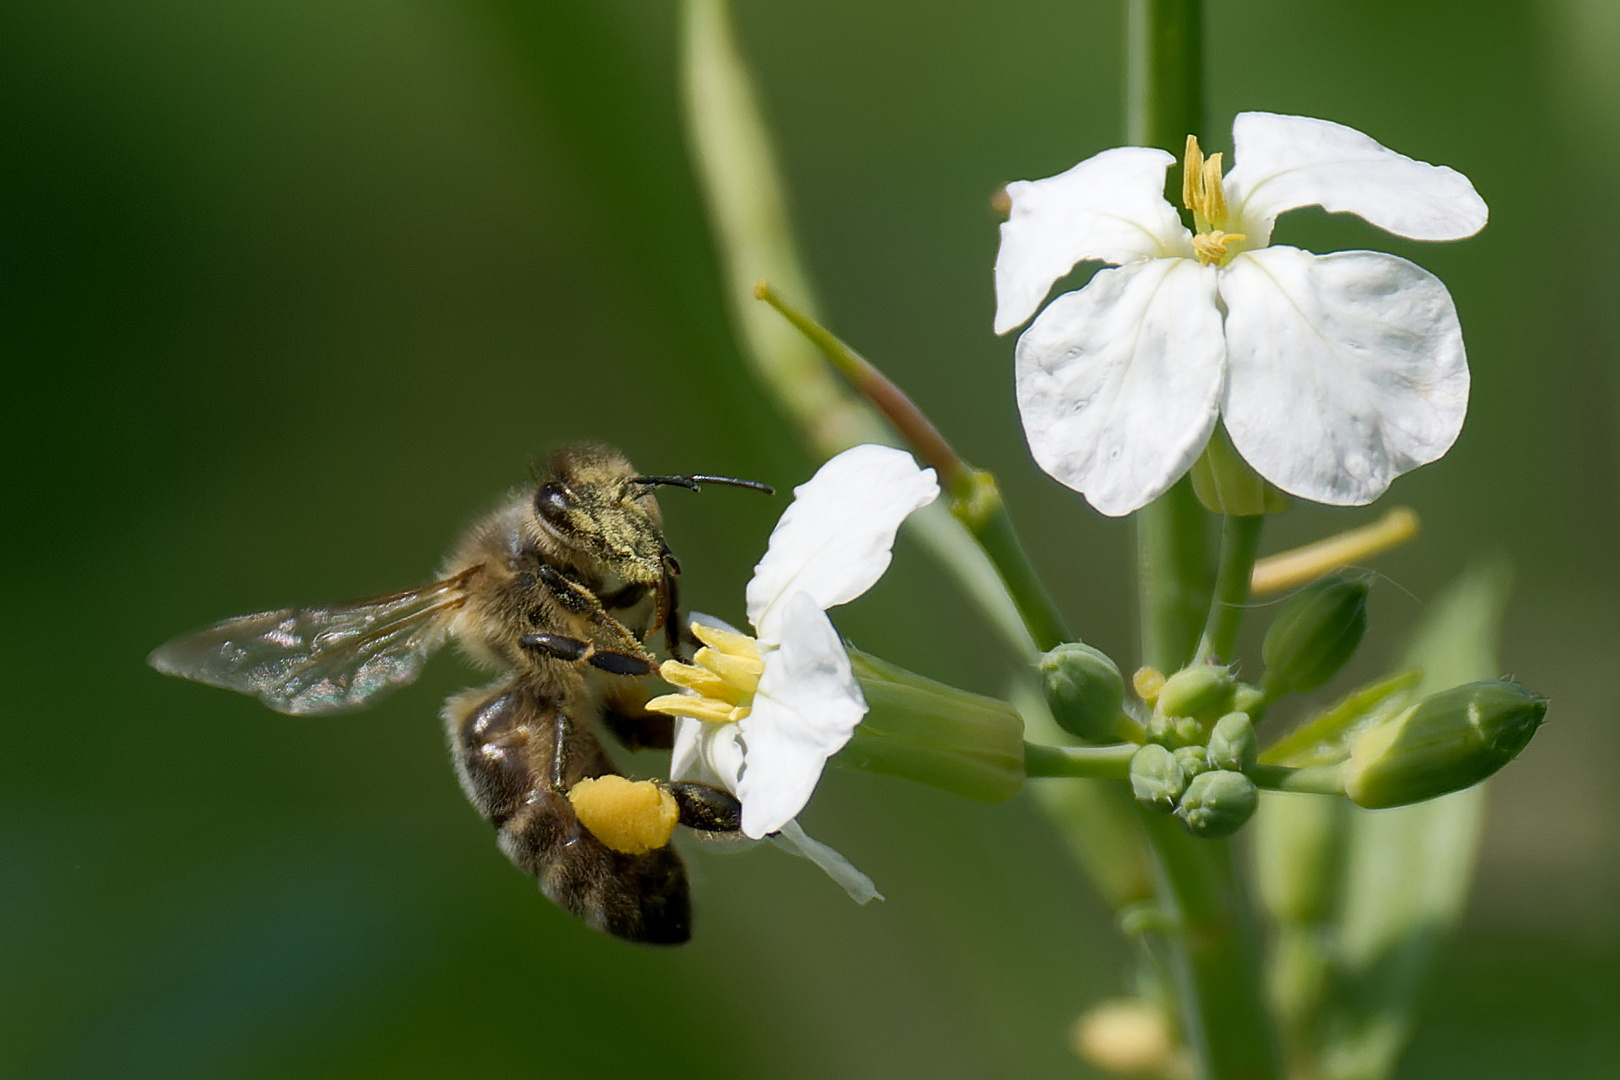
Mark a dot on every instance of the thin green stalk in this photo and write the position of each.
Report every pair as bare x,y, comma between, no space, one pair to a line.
1240,543
1098,762
1216,954
975,497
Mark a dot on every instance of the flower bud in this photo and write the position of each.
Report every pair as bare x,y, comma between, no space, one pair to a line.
1201,691
1156,777
1189,732
1218,803
1316,631
1446,742
1085,692
1232,745
1192,759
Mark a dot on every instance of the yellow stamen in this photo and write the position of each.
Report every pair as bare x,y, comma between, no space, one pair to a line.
697,680
629,816
709,710
726,641
1211,247
1147,682
1203,194
723,678
1290,569
740,671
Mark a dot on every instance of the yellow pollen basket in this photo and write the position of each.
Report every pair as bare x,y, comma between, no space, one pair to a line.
629,816
723,678
1201,192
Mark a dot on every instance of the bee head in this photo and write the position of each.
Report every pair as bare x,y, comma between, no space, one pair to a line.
592,505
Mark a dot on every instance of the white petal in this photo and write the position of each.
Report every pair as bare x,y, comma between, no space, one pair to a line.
1284,162
1110,207
833,542
858,885
706,753
1344,370
1118,382
807,705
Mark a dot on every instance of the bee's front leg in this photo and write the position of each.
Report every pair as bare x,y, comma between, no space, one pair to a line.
575,651
579,600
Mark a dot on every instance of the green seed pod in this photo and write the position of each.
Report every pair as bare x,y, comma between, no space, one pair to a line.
1156,777
1232,745
1218,803
1203,691
1085,692
1446,742
1192,759
1316,631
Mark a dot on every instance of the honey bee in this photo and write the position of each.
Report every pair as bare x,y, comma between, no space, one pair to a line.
559,590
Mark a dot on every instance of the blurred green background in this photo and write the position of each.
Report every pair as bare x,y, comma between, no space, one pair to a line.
292,290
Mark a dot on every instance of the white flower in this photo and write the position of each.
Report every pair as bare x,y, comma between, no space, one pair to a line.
1334,374
762,715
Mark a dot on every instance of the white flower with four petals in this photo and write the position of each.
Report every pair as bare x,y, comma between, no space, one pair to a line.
761,716
1333,374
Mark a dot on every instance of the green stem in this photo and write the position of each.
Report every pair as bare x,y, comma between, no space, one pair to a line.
1216,955
1240,543
1173,576
1099,762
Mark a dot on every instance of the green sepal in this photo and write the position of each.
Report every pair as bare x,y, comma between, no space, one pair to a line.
964,743
1314,634
1225,483
1446,742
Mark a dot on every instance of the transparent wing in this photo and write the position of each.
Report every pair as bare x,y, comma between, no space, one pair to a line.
312,661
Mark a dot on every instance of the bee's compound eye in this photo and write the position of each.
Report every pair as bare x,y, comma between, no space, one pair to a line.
553,502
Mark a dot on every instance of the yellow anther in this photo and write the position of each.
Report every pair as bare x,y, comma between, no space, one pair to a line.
1214,194
1192,175
1212,248
1147,682
726,641
741,672
707,709
723,678
629,816
1203,194
697,680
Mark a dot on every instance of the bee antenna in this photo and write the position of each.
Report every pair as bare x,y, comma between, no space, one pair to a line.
693,483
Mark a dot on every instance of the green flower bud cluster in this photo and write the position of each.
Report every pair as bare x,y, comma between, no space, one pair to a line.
1314,635
1210,801
1446,742
1198,752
